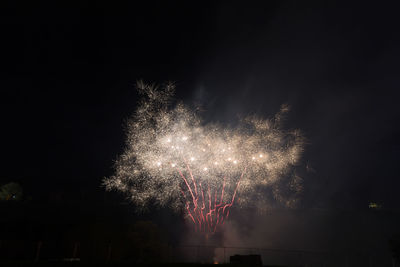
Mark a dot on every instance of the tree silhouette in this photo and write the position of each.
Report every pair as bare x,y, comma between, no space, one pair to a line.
11,192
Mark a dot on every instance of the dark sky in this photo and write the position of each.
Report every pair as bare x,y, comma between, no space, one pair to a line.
69,69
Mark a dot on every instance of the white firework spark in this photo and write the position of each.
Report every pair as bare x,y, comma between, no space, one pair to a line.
173,158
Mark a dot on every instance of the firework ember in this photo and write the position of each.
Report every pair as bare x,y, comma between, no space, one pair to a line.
172,158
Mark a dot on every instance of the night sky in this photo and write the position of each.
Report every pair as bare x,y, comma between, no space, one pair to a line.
69,70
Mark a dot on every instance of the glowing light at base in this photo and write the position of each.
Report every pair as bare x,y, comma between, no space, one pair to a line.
173,159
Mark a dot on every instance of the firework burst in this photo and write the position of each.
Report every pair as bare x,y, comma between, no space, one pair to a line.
172,158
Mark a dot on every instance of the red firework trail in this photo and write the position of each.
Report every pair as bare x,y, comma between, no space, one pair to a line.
207,214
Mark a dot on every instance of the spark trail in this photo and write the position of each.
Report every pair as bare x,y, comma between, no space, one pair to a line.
172,158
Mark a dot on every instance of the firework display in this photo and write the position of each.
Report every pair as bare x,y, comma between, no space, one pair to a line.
173,158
